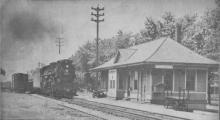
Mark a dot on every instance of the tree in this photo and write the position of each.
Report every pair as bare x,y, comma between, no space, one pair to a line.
150,32
107,49
155,29
167,25
123,39
201,36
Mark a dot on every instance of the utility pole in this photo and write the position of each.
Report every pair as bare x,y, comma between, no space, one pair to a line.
40,65
97,21
218,50
59,40
59,43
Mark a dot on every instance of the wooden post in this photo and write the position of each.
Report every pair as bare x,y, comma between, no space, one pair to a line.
97,15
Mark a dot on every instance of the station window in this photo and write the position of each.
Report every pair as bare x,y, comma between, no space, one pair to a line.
112,75
168,79
190,79
135,80
120,83
113,82
135,84
110,83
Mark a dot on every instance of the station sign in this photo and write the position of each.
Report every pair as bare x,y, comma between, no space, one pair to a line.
164,66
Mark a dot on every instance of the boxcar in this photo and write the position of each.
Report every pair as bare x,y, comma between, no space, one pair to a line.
19,82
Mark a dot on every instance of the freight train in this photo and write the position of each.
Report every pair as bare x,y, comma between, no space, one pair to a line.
57,79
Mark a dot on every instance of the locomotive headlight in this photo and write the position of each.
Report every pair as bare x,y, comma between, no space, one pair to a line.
66,72
66,89
58,80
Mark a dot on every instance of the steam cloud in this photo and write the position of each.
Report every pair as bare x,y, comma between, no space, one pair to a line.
27,27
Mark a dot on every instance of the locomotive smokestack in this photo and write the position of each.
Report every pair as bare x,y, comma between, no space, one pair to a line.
178,32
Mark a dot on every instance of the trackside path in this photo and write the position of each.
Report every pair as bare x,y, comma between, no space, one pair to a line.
16,106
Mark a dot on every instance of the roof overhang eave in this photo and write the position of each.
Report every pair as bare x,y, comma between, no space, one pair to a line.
215,66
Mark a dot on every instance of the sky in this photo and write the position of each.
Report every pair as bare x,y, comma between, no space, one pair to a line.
30,27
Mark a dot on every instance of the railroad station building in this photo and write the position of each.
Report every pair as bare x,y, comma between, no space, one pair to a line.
138,72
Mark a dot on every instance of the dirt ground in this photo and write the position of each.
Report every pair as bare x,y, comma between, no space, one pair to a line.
26,107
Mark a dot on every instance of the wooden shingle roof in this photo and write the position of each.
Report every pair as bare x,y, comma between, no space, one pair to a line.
163,50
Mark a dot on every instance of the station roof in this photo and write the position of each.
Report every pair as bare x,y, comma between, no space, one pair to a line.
163,50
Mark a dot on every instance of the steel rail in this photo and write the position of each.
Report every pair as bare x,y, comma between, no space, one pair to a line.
90,115
146,114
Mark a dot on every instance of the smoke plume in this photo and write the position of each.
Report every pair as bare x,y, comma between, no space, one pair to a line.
23,28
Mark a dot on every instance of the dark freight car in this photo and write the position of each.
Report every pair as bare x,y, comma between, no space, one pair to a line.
19,82
5,86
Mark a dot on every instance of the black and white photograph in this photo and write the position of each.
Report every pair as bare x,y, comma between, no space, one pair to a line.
109,60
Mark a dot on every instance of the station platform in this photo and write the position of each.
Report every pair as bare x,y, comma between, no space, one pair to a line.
195,115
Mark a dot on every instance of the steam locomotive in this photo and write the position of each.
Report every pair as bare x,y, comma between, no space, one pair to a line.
57,79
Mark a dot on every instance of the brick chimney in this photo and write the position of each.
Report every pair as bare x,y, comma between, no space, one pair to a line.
178,32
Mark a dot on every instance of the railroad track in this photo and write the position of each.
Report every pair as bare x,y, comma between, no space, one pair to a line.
91,117
129,113
79,112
